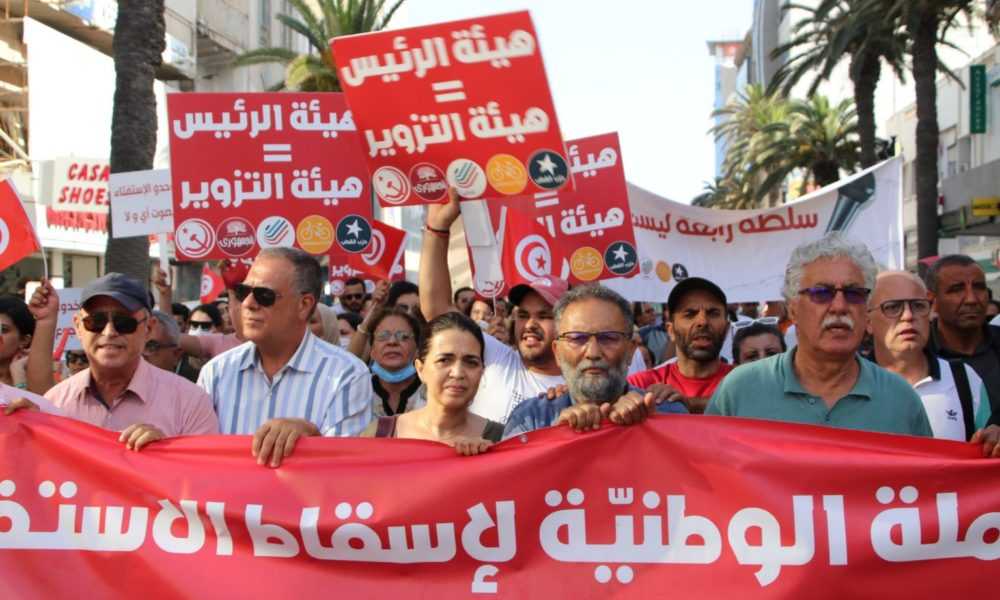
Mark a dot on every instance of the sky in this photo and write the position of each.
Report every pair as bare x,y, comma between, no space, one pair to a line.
638,67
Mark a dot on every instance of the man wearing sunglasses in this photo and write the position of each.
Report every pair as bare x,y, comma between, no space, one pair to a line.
119,390
593,347
352,299
900,324
285,383
822,381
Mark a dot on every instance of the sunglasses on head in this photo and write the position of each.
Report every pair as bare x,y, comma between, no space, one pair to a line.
824,294
261,295
762,321
123,323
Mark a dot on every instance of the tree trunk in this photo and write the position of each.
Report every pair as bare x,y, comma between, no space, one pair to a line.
865,78
138,44
923,29
825,172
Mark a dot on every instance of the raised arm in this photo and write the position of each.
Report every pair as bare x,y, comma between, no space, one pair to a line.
435,279
44,306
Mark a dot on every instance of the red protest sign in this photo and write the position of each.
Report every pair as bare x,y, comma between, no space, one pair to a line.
17,235
827,510
211,285
382,260
581,236
253,171
477,113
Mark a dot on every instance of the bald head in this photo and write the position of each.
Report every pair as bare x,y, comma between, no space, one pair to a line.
899,317
896,285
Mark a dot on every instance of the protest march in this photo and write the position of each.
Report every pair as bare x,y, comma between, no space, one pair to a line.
581,390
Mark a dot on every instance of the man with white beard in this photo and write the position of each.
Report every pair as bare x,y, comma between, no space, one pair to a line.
823,381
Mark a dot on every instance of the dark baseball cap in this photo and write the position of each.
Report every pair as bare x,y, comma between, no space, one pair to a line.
121,288
692,284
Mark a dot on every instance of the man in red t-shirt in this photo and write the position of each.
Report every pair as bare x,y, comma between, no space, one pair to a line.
698,326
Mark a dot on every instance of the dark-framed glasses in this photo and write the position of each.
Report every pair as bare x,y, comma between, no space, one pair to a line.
262,295
123,323
605,339
202,325
399,336
76,356
893,309
152,346
824,294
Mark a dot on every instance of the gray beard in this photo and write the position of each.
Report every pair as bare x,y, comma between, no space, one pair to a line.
594,389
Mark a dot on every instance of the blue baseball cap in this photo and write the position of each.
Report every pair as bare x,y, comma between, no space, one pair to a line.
119,287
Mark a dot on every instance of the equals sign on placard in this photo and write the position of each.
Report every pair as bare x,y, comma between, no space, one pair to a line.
277,153
543,199
452,91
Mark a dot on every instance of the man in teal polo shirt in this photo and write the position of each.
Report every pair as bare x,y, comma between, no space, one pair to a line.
822,381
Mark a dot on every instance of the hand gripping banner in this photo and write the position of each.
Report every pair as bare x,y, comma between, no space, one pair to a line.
681,506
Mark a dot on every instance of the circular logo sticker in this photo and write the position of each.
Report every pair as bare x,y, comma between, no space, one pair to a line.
428,182
533,258
276,232
373,254
354,233
679,272
467,178
548,169
506,174
4,236
663,271
621,258
391,185
194,238
315,234
236,237
586,264
337,287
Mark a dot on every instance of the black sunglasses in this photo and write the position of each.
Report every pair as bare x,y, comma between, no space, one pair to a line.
74,356
96,322
262,295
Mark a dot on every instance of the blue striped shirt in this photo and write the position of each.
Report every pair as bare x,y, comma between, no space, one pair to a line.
321,383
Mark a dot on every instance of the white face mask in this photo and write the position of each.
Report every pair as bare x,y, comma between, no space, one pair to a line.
344,342
196,331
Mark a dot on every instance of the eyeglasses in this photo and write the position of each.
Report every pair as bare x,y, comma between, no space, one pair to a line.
203,325
351,296
399,336
605,339
76,357
262,295
824,294
893,309
762,321
153,346
96,322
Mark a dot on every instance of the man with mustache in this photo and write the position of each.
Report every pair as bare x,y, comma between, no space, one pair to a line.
899,321
592,347
959,294
822,381
698,325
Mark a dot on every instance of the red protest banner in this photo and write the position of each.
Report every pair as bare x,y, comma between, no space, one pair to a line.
581,236
212,285
17,235
382,260
253,171
477,114
706,507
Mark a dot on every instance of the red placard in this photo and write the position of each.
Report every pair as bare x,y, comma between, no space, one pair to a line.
382,260
253,171
17,235
465,103
581,236
705,507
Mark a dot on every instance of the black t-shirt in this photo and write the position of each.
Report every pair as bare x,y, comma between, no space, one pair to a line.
985,361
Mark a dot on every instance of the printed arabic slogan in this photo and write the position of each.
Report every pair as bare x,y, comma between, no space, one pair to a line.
745,252
254,171
580,235
705,507
383,259
478,112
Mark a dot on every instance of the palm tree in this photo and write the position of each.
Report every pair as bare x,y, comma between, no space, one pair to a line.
837,29
138,44
718,193
316,71
926,22
753,109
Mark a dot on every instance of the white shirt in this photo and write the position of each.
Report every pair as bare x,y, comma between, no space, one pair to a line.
321,383
10,393
506,382
943,404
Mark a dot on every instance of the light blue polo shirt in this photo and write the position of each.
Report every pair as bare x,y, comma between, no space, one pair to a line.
769,389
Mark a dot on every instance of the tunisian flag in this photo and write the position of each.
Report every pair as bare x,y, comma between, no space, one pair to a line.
17,236
211,285
382,259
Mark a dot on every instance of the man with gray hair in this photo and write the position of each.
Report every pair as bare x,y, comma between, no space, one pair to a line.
593,347
822,381
284,382
163,347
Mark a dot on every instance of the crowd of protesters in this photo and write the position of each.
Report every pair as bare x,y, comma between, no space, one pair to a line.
272,361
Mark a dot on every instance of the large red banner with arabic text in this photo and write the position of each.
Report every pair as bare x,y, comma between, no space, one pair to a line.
465,102
581,235
693,506
264,170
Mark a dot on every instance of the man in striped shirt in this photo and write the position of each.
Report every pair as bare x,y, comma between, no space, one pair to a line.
285,383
